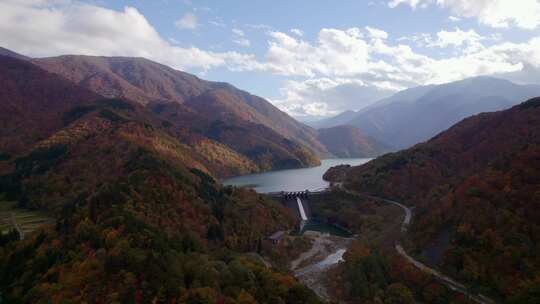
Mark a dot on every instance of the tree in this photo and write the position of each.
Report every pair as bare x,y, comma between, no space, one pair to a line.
398,293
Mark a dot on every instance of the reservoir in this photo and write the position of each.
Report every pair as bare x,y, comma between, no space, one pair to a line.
293,179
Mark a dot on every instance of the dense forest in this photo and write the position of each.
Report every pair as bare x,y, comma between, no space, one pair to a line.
139,215
475,192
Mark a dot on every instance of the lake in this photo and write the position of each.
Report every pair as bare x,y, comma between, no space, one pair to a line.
292,179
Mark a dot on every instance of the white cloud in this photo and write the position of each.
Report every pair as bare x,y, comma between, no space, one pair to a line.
412,3
188,21
462,41
297,32
336,53
321,97
241,41
376,33
240,38
468,41
44,28
454,19
495,13
262,27
238,32
353,56
217,23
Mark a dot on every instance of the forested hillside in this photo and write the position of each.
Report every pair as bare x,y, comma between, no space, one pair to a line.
475,192
139,218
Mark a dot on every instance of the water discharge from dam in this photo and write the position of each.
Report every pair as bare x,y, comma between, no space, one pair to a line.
301,209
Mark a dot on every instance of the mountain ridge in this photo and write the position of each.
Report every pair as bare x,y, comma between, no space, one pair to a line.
417,114
349,142
147,82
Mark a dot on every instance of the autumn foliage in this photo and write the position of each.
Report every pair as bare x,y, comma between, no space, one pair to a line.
478,181
139,215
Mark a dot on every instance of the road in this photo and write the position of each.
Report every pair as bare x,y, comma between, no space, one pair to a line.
450,283
16,226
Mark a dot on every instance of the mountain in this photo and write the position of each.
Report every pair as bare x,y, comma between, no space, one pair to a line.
338,120
350,142
138,218
148,82
417,114
32,103
10,53
266,136
475,192
36,105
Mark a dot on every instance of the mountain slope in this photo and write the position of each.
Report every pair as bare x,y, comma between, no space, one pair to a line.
10,53
338,120
417,114
475,186
32,103
137,218
350,142
35,102
147,82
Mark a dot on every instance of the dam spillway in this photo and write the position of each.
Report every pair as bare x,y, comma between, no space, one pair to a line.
301,209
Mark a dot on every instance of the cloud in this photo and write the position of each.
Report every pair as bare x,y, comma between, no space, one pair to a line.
336,53
188,21
462,41
469,41
364,59
495,13
217,23
262,27
349,53
297,32
411,3
376,33
322,97
44,28
240,38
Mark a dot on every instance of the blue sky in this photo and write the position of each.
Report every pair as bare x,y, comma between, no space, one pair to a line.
311,58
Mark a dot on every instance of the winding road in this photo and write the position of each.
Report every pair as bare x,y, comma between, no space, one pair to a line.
450,283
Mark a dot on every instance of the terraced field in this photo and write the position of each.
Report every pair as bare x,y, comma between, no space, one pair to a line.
25,221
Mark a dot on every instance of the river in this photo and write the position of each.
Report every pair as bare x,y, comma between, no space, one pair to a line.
292,179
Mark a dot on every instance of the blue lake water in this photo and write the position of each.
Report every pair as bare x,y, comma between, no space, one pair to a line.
292,179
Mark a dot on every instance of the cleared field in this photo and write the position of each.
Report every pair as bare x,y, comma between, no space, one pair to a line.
26,221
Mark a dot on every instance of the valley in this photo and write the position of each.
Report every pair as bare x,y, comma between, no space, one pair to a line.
128,180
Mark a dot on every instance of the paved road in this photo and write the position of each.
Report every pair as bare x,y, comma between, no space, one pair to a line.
478,298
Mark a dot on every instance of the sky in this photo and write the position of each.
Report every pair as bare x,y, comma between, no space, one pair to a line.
310,58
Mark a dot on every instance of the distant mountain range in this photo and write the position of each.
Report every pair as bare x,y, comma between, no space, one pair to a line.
349,142
415,115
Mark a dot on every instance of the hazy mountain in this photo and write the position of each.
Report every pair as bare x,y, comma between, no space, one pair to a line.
475,192
350,142
416,114
9,53
148,82
338,120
